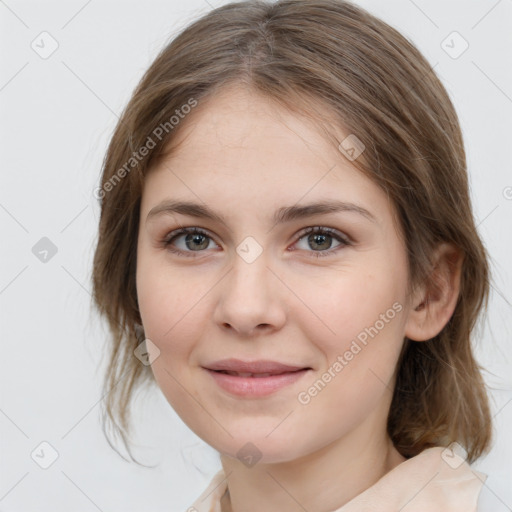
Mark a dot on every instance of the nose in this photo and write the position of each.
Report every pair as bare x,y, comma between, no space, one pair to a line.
251,299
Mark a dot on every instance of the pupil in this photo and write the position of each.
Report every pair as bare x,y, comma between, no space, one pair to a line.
196,238
322,238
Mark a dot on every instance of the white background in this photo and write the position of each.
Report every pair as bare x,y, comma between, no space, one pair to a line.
56,118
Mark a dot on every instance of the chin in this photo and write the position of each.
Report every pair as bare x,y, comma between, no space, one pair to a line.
260,449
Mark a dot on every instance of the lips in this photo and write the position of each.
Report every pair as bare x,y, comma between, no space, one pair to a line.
262,368
247,374
254,380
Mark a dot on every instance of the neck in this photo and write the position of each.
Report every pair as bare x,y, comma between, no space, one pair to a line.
323,481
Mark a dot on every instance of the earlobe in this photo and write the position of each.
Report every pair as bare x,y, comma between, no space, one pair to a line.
434,302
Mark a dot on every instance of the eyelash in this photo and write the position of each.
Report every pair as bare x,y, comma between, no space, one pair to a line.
167,241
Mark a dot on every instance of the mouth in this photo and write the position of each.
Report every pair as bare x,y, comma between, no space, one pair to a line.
256,375
253,368
254,379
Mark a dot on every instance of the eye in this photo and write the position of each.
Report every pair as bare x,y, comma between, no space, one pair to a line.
195,240
321,238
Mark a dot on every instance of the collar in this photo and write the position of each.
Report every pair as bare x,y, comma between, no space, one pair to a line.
436,479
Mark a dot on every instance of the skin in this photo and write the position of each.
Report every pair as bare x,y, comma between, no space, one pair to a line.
244,157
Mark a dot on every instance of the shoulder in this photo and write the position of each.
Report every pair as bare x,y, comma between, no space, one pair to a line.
489,502
209,500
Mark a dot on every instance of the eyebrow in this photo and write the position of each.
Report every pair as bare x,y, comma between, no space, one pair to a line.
282,215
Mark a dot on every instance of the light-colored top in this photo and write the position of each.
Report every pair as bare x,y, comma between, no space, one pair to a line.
433,481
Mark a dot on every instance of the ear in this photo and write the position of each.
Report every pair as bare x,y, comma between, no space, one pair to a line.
434,301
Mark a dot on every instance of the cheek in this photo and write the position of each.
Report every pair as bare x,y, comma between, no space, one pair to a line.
360,337
336,311
357,379
173,314
168,298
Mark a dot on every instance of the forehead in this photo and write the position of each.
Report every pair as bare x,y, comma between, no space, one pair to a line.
242,148
239,118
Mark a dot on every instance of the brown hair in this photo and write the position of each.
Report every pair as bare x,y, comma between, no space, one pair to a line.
377,85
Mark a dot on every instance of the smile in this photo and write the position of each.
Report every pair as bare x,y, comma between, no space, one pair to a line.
255,385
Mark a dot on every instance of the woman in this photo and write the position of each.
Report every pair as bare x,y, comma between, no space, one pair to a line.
286,224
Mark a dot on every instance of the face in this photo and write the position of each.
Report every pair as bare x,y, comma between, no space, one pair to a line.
321,291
